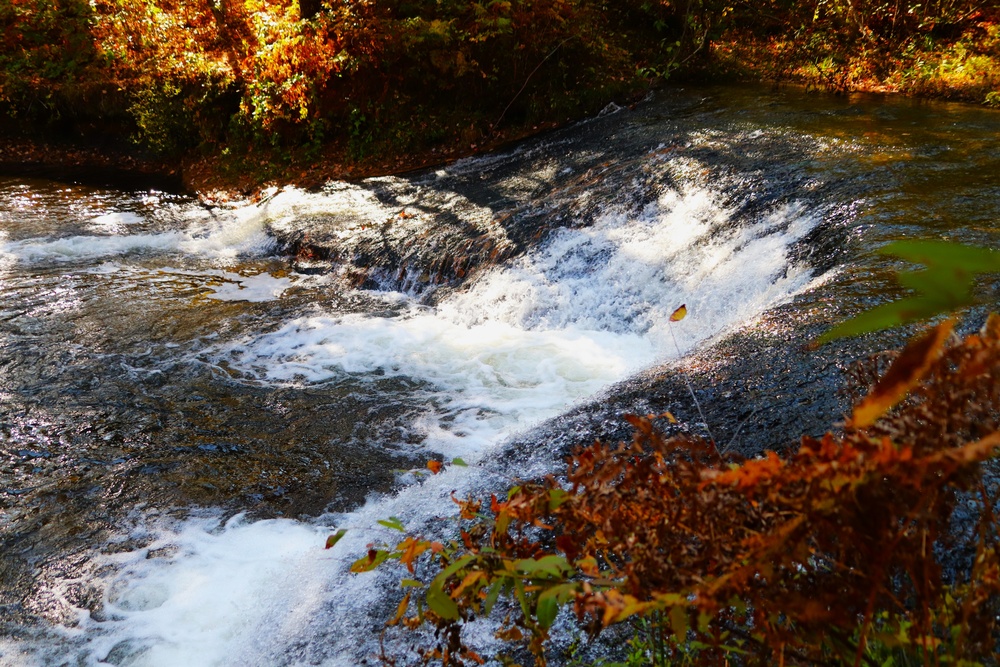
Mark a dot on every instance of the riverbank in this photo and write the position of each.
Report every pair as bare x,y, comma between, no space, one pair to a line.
220,177
229,100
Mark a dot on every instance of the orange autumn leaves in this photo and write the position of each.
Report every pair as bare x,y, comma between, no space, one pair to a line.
811,556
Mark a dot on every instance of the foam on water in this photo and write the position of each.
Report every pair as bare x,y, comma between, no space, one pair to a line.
520,345
224,236
209,590
116,221
627,273
481,380
585,310
255,288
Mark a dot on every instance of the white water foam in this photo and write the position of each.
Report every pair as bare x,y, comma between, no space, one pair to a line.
224,235
116,221
520,345
628,273
255,288
482,381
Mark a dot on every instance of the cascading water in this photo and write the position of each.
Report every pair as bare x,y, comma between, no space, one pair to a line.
235,378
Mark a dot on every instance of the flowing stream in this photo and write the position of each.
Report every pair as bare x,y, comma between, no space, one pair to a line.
194,395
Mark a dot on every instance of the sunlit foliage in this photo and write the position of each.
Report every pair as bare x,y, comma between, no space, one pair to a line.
835,554
935,47
204,71
373,77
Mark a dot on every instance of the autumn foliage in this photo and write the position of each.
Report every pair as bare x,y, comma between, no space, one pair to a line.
849,551
358,72
374,78
933,48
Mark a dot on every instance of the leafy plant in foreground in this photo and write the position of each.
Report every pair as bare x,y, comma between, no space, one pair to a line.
833,555
945,285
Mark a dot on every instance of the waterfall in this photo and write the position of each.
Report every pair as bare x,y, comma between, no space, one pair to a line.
521,343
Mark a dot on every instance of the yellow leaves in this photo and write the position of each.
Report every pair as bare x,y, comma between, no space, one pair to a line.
620,606
410,549
510,634
679,314
904,374
400,610
588,566
470,579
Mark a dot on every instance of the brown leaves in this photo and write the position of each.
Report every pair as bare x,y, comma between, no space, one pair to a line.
904,374
788,552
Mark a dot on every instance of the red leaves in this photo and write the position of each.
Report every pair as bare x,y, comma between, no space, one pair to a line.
410,549
567,544
750,475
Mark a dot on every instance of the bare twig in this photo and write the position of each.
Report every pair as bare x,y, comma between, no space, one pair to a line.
493,128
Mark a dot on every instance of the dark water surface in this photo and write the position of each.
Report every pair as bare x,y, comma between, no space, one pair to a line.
165,364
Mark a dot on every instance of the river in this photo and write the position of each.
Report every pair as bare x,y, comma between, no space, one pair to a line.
194,395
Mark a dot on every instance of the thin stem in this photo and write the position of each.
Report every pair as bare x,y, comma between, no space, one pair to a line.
525,85
701,414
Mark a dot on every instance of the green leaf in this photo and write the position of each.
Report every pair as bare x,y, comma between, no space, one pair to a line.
410,583
556,498
945,286
886,316
459,462
333,539
550,566
939,283
491,597
704,622
679,623
441,603
453,568
369,562
968,258
522,599
394,523
549,601
546,609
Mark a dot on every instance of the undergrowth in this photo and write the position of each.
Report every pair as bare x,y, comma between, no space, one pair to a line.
843,552
361,82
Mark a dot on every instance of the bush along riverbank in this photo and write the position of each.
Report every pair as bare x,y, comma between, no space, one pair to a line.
235,93
848,551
